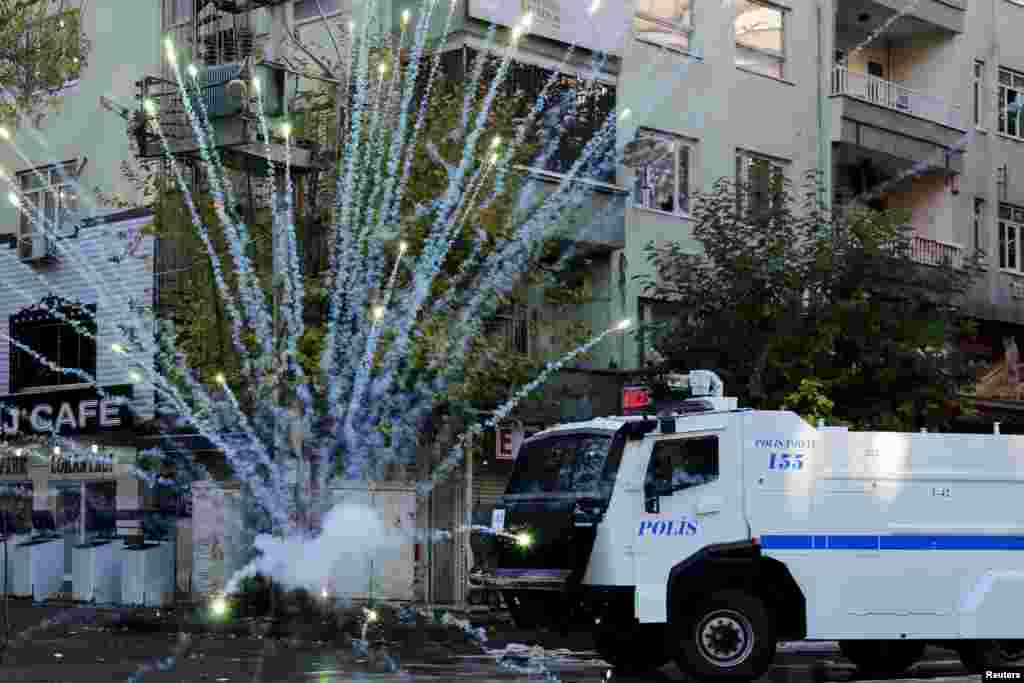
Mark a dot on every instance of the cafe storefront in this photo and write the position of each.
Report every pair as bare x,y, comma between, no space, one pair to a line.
66,467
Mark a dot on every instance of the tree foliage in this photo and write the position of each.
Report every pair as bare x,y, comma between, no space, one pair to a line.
202,328
42,49
833,315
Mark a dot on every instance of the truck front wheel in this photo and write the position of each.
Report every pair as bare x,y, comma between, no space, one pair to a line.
882,657
730,636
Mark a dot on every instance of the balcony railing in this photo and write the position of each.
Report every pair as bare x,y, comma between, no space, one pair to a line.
894,96
930,252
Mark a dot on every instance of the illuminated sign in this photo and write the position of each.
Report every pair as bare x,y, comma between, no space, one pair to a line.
635,398
509,441
70,412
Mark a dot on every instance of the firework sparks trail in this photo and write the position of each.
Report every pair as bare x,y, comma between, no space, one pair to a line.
365,208
238,458
249,290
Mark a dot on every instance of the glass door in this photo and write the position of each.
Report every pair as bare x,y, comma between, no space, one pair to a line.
100,500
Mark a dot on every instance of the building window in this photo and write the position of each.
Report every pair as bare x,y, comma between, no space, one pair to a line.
760,184
664,22
510,328
62,339
978,93
1011,85
664,185
307,9
760,37
49,204
979,221
180,11
1011,221
658,321
582,112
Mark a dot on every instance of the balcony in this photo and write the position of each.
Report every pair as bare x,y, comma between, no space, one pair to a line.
599,225
895,97
931,16
893,127
233,115
931,252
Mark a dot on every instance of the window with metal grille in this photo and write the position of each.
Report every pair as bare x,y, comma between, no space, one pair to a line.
55,339
512,329
580,112
760,183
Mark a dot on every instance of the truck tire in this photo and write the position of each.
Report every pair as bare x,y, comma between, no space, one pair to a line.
882,657
632,649
979,655
729,636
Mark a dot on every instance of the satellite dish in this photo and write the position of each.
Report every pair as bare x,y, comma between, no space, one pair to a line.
645,151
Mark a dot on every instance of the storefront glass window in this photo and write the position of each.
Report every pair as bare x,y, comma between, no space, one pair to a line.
15,508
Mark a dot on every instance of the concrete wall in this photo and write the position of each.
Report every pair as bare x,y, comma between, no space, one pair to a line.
722,108
932,207
993,35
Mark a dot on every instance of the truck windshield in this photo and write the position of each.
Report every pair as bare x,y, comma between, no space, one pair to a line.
574,463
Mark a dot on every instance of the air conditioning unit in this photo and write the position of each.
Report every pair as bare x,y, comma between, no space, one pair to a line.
37,246
221,103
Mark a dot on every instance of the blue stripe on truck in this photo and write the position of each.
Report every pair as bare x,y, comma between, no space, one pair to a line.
891,542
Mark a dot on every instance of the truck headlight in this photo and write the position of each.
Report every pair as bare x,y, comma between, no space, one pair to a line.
524,540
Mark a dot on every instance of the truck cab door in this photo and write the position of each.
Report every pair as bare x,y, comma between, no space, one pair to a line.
691,498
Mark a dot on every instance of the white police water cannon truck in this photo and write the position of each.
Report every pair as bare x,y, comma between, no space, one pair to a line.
710,533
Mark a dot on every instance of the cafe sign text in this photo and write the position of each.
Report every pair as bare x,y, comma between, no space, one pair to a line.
71,412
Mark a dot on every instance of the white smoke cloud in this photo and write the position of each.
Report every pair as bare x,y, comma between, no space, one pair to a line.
338,558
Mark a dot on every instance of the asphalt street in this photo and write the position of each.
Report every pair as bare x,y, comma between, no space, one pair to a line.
78,652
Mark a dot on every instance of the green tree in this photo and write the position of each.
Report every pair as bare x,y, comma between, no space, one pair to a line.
190,295
42,48
827,314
